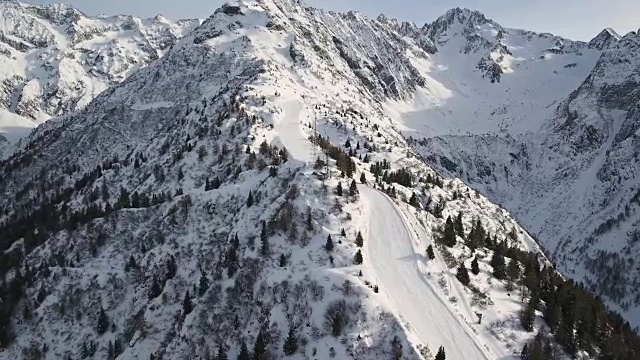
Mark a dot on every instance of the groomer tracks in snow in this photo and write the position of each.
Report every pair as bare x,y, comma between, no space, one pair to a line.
391,259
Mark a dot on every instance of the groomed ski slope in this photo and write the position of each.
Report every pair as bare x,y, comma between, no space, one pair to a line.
392,260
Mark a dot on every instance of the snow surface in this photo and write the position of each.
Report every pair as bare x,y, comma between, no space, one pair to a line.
393,260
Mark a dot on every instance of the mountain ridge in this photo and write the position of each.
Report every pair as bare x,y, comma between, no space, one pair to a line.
228,168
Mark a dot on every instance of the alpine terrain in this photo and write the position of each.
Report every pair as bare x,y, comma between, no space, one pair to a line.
279,181
54,59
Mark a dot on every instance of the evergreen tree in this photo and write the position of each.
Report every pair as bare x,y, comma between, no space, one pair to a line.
497,262
552,313
244,351
449,236
103,322
463,275
264,241
353,189
413,201
357,259
282,261
260,347
476,236
222,354
250,199
359,240
396,349
155,290
329,245
441,354
430,254
187,306
339,189
529,313
172,268
309,219
363,178
290,346
343,233
459,227
513,273
204,283
524,354
475,268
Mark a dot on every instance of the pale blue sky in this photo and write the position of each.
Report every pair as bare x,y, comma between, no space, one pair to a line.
576,19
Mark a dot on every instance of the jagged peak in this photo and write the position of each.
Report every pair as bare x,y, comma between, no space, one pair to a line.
468,19
604,39
464,15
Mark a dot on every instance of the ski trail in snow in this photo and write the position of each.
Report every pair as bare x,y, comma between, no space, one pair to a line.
290,132
390,257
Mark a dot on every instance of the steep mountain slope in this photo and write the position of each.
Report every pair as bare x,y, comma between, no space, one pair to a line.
555,141
54,59
209,201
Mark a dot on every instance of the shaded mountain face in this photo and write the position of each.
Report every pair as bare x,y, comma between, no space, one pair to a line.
55,59
210,198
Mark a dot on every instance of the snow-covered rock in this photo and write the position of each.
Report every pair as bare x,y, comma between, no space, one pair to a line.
54,59
213,175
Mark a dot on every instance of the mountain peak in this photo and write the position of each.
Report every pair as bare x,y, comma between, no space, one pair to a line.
604,39
466,19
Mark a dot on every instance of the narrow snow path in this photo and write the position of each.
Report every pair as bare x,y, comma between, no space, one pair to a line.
290,134
391,259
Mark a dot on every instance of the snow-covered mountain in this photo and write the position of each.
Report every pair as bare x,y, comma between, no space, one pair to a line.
209,200
555,141
54,59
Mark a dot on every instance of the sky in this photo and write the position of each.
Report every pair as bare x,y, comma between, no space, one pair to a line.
574,19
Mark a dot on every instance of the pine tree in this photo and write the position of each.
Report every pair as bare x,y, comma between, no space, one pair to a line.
204,283
187,306
103,322
497,262
222,354
396,349
343,233
339,189
309,219
524,354
155,290
552,313
513,274
430,254
264,241
359,240
449,236
441,354
290,346
357,259
529,313
244,351
250,199
475,268
260,347
459,227
463,275
476,236
353,189
363,178
282,261
413,201
329,245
